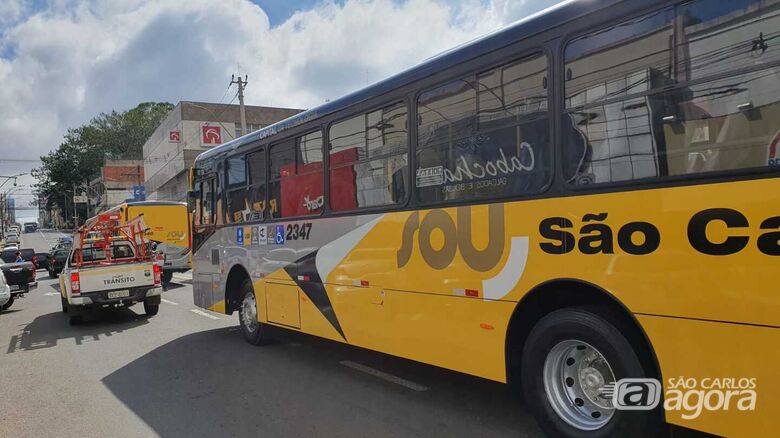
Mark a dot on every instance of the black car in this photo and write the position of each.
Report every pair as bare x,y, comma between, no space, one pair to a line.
57,262
42,260
20,276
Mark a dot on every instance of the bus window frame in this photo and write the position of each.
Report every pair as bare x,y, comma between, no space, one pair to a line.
374,106
302,133
480,66
588,25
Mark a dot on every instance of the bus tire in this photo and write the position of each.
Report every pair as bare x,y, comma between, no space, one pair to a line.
151,309
253,330
567,358
8,304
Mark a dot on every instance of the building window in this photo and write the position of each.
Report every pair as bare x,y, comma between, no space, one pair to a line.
633,114
485,136
369,159
296,180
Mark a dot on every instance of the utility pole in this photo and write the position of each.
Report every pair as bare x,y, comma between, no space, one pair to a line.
241,84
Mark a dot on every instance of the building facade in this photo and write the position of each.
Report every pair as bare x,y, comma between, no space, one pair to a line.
115,184
191,128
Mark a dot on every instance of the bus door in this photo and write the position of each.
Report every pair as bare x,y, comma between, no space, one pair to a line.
205,255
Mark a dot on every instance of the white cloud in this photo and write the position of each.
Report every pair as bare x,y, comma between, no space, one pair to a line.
76,58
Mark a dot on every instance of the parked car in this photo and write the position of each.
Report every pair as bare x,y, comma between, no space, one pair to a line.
5,293
12,238
57,262
20,277
42,260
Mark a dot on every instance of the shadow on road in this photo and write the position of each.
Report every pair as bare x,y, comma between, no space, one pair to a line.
47,330
172,285
212,383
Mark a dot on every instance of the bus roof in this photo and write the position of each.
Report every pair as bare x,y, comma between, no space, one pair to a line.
560,13
148,203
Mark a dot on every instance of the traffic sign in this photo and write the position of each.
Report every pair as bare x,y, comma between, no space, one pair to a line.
139,193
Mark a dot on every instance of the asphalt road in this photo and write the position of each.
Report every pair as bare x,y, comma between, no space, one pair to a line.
188,372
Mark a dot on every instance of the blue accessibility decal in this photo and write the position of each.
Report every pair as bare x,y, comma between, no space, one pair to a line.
279,237
240,236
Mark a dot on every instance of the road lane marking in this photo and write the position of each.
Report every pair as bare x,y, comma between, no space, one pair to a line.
384,376
168,302
202,313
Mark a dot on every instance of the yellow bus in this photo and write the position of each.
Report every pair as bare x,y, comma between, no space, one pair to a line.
586,203
168,225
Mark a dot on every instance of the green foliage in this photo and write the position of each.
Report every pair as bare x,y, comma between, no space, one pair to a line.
109,136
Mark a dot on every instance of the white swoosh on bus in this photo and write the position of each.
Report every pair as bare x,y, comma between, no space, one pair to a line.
332,253
499,286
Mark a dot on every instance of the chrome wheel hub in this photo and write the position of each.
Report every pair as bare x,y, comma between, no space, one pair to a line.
249,313
577,380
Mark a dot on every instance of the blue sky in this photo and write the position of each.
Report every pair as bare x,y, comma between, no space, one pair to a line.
280,10
64,61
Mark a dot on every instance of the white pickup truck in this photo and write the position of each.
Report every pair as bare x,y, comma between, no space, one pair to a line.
89,280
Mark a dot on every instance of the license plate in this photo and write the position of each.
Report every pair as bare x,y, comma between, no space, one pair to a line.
15,286
119,293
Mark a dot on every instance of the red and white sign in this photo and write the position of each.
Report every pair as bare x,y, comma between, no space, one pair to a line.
174,136
212,135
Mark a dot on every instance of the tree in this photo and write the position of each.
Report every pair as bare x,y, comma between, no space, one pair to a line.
77,160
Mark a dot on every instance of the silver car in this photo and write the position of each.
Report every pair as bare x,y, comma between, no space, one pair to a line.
5,292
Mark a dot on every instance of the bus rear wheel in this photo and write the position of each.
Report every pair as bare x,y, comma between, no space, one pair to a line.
570,359
253,330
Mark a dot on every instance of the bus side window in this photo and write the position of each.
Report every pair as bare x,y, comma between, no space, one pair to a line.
255,197
296,182
368,159
236,197
485,136
633,113
207,202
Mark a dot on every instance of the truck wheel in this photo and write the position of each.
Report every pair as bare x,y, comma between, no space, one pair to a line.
64,305
569,360
167,276
254,331
9,303
151,309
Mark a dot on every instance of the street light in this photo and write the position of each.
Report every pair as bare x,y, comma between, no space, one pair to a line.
12,177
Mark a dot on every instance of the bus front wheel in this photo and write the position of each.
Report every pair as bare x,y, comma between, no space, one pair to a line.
253,330
571,360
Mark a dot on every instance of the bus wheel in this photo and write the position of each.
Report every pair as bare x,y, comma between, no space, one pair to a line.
569,361
254,331
8,304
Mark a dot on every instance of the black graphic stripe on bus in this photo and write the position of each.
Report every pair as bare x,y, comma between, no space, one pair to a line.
304,272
